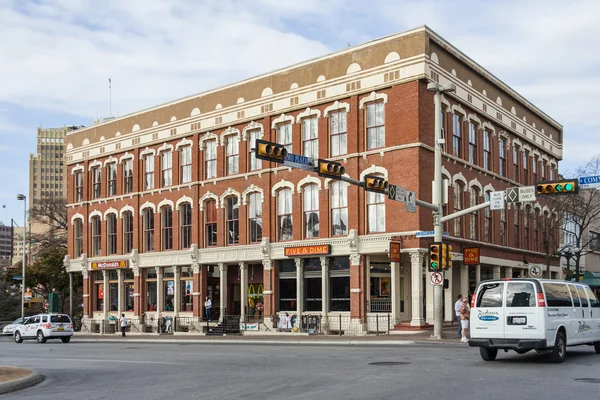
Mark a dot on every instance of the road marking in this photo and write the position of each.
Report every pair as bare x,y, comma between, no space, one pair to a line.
108,361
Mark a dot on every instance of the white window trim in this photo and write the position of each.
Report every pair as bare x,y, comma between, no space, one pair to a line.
207,136
487,125
94,164
164,147
111,211
477,184
252,189
308,180
329,180
183,200
282,184
125,209
183,142
228,193
165,202
208,196
77,216
228,132
147,205
110,160
93,214
474,118
458,110
460,178
147,152
282,119
372,97
374,169
78,168
488,188
308,113
125,157
253,126
336,106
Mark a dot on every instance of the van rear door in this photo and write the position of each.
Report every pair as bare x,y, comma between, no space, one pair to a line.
524,320
487,320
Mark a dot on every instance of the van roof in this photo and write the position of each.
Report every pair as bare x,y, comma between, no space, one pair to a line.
536,281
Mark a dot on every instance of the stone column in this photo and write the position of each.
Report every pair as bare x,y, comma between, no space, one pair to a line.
222,290
160,296
137,292
358,303
508,272
324,292
243,290
106,293
449,297
120,297
429,292
87,306
177,292
268,295
416,279
299,292
464,280
477,274
496,272
197,298
395,269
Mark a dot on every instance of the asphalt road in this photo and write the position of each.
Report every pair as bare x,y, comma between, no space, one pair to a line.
208,371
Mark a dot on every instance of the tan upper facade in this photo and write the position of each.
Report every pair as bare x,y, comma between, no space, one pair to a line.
412,55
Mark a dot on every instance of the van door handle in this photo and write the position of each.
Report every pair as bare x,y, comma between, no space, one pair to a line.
582,313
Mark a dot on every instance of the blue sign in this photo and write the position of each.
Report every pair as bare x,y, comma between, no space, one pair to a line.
421,234
298,161
18,278
589,182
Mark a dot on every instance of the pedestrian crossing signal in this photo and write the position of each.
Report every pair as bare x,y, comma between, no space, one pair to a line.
570,186
270,151
435,257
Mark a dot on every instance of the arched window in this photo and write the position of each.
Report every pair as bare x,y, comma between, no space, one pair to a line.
284,214
473,143
526,227
488,223
458,205
474,216
185,224
233,154
487,151
185,161
233,220
148,229
166,221
149,172
375,125
127,232
211,223
310,138
96,236
255,217
517,226
536,231
375,212
78,237
112,179
339,208
503,227
311,211
167,168
97,174
210,159
255,163
128,176
111,233
456,138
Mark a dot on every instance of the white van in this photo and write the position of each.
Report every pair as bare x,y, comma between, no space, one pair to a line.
533,314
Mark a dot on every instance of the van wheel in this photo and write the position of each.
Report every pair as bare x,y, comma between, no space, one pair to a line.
40,337
560,348
597,347
488,354
18,338
66,339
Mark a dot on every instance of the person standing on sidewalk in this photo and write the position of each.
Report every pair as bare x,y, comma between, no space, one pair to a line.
123,325
457,305
465,317
207,308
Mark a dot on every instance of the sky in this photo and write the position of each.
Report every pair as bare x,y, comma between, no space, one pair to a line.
57,56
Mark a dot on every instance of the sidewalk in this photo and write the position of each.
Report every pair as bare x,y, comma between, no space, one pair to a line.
13,378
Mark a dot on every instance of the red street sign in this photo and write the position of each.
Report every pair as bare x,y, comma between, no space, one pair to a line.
471,256
395,251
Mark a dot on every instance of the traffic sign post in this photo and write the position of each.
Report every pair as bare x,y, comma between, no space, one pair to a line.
589,182
436,279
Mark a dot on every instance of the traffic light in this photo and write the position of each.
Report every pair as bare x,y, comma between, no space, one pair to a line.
270,151
446,256
567,186
375,183
330,169
435,257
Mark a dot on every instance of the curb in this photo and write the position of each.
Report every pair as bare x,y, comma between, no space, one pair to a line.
353,342
22,383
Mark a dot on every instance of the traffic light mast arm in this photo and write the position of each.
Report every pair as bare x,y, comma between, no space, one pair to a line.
465,211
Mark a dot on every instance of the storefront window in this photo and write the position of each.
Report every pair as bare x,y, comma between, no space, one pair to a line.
151,295
381,287
128,296
169,291
187,288
312,294
99,291
114,296
287,294
339,292
339,263
287,265
311,264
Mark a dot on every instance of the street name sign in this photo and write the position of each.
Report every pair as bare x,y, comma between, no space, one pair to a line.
396,193
298,161
589,182
422,234
497,201
411,202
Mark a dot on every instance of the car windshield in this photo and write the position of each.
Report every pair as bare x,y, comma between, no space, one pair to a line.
60,318
17,321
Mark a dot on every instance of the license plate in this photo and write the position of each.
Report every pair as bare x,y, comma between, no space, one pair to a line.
61,328
519,320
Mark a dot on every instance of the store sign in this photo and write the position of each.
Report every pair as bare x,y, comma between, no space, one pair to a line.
471,256
110,264
395,249
249,326
307,250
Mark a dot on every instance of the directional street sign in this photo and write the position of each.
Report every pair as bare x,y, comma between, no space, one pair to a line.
298,161
396,193
512,195
422,234
497,201
526,193
411,202
437,278
589,182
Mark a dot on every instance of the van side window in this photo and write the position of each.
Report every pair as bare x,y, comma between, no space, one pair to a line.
584,301
575,295
593,300
45,318
490,295
557,295
520,294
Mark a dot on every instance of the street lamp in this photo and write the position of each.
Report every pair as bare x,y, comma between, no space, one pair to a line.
24,198
568,252
438,315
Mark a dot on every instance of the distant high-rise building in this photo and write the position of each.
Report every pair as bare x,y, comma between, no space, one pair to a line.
5,244
47,168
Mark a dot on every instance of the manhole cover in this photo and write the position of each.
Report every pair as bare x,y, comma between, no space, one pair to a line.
588,380
389,363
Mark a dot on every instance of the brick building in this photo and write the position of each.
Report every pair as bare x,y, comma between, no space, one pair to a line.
168,206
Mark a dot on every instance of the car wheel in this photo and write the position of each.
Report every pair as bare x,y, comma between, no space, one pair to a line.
488,354
560,348
66,339
597,347
40,337
18,338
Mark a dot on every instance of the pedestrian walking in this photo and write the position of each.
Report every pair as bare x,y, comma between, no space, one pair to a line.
123,325
207,308
457,305
465,317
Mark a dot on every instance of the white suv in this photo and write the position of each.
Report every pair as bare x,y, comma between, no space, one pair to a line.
45,326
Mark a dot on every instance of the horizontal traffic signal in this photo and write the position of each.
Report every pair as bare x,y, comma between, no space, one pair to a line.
375,183
270,151
330,169
565,186
435,257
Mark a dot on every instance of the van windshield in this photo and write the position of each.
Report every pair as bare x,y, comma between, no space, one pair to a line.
520,294
490,295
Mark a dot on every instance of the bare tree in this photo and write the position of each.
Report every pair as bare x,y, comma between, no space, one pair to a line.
52,214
